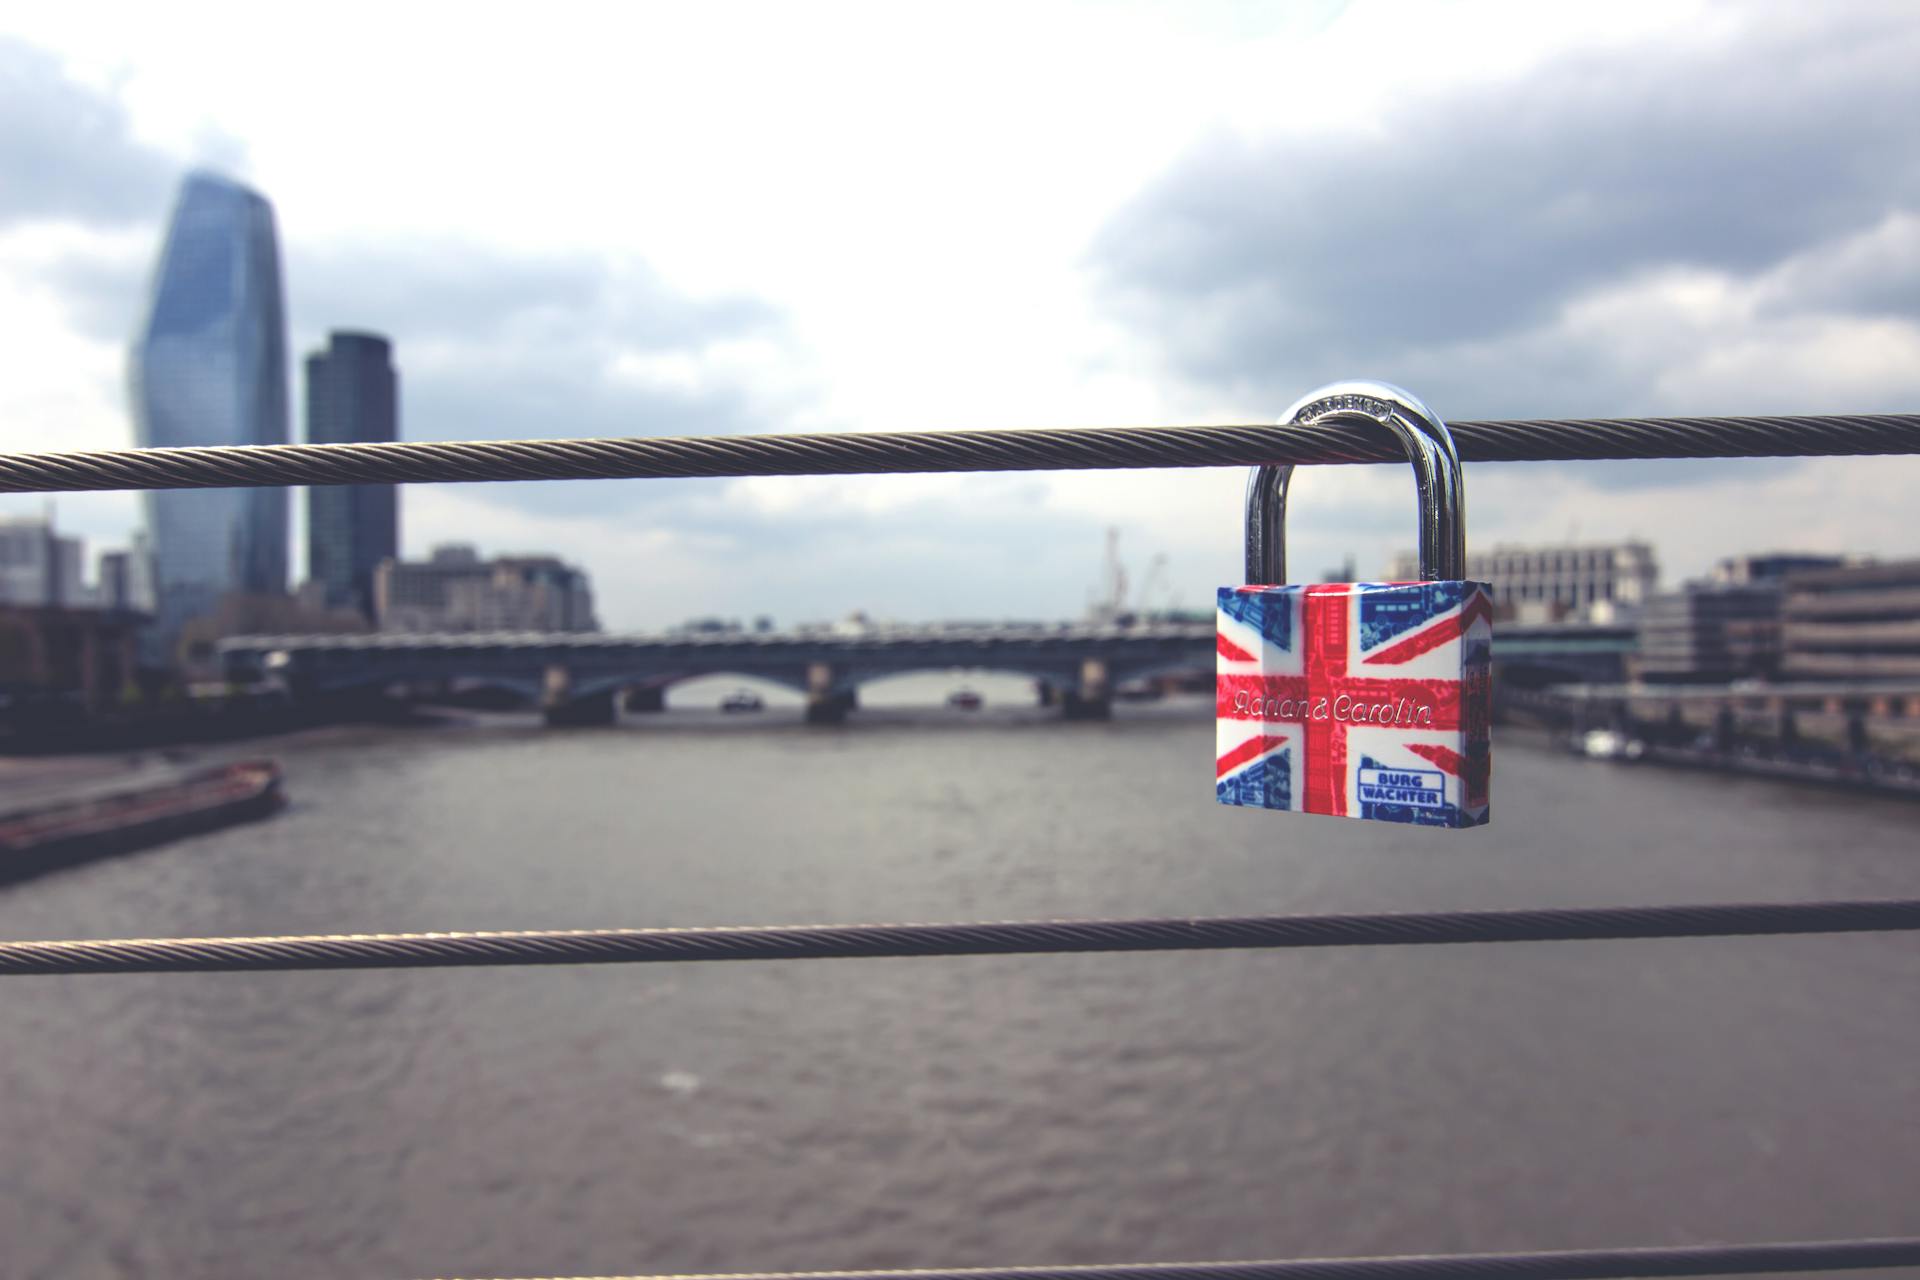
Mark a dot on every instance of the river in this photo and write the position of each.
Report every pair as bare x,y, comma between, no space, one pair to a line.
972,1111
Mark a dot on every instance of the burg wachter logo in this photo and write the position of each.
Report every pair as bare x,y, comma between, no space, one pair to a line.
1403,786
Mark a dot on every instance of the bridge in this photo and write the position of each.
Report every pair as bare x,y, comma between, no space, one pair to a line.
581,677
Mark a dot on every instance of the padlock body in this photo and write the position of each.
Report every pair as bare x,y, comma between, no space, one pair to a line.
1357,700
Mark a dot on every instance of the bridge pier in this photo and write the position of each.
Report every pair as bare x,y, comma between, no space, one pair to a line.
596,710
561,709
1045,694
1092,699
646,698
826,702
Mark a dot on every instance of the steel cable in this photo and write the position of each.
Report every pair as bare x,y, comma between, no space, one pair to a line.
1584,1264
1036,937
854,453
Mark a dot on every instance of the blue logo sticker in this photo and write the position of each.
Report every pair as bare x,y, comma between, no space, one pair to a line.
1421,788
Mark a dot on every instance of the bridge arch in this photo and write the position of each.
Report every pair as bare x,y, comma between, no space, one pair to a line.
594,683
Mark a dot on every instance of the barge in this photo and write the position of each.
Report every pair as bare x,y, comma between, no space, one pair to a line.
70,831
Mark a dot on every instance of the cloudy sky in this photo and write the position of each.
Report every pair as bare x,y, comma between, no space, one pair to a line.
681,219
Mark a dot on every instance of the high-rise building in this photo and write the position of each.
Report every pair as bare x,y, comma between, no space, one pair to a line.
210,367
352,396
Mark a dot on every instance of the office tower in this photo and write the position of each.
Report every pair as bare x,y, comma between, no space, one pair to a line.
352,396
210,367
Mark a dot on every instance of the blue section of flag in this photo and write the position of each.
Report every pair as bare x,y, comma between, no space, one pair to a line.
1268,612
1387,612
1265,784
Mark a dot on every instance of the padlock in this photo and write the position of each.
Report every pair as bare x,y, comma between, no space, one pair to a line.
1359,699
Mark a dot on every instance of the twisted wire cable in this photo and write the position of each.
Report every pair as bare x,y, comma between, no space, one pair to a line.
857,453
1584,1264
1035,937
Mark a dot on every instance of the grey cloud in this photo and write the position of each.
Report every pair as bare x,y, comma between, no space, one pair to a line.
463,292
490,344
931,561
1876,273
452,295
102,294
496,345
1454,236
67,152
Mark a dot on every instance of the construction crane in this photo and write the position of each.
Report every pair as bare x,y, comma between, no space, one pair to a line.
1109,599
1156,590
1108,602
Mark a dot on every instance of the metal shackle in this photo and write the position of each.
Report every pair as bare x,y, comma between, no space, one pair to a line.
1436,471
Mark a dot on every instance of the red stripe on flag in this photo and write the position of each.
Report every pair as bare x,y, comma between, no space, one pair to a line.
1248,750
1323,614
1446,757
1229,650
1439,633
1473,775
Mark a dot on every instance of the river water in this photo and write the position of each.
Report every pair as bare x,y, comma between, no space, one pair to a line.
970,1111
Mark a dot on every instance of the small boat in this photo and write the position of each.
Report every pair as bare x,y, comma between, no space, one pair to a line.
1608,744
965,700
742,700
66,832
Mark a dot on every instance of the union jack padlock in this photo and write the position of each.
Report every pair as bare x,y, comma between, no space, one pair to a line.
1359,699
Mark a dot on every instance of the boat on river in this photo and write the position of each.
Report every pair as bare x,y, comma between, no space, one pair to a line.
73,830
1609,744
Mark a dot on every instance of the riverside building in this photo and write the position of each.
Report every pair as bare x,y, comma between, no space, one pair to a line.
1860,622
1726,627
1549,583
1710,632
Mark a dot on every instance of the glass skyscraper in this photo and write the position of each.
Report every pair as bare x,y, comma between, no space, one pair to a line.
210,367
352,396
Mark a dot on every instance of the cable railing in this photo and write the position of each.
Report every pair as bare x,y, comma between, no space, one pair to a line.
875,453
986,938
1023,450
1585,1264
